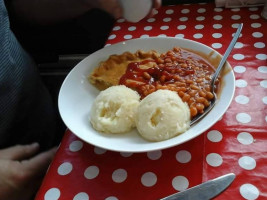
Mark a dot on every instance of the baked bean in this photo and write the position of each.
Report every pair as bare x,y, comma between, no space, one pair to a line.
193,111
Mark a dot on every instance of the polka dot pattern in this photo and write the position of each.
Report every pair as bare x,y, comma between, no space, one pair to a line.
236,143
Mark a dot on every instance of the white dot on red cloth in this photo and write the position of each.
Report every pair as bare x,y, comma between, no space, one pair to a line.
255,25
180,183
91,172
116,28
264,100
128,36
214,159
81,196
119,175
111,37
181,27
235,9
144,36
76,146
149,179
242,99
217,35
217,26
162,35
167,19
150,20
199,26
216,45
263,83
179,36
262,69
247,162
111,198
201,10
253,8
52,194
126,154
185,11
241,83
154,155
132,28
257,34
249,191
218,17
238,56
121,20
200,18
164,27
239,45
259,45
64,169
169,11
245,138
236,17
198,35
183,156
239,69
214,136
261,56
243,118
218,9
99,151
254,16
183,19
148,28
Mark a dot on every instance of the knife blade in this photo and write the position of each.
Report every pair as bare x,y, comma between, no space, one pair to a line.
204,191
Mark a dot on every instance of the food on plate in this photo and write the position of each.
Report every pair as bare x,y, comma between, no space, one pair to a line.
114,110
109,72
162,115
179,70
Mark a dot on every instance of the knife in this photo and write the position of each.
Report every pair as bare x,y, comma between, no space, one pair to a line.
204,191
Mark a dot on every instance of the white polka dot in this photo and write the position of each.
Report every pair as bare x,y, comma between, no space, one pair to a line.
217,17
149,179
185,11
91,172
257,34
183,19
121,20
217,35
64,169
154,155
261,56
81,196
214,159
255,25
181,27
116,28
200,18
236,17
132,28
239,69
151,20
214,136
266,118
148,28
119,175
183,156
112,198
254,16
241,99
126,154
199,26
164,27
111,37
217,26
52,194
162,35
262,69
106,45
201,10
263,83
127,37
259,45
179,36
241,83
239,45
249,191
167,19
264,100
247,162
180,183
76,146
144,36
238,56
253,9
218,9
243,118
235,25
216,45
245,138
99,151
198,35
168,12
235,9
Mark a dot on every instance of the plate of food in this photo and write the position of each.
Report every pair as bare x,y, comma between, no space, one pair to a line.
140,95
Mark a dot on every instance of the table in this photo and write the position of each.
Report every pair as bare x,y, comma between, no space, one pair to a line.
237,143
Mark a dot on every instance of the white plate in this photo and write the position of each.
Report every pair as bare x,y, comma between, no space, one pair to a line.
77,95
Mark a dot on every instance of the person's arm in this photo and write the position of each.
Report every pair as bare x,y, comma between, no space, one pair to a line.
21,171
52,11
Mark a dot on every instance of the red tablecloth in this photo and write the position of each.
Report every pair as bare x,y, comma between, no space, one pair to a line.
237,143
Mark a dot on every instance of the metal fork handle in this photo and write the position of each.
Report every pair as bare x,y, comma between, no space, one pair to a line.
226,54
